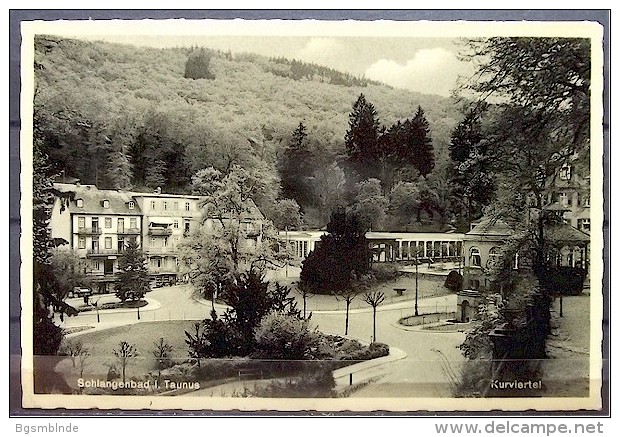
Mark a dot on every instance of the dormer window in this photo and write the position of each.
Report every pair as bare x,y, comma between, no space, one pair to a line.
106,203
79,203
565,172
131,204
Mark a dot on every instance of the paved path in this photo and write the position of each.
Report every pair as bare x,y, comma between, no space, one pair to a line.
424,372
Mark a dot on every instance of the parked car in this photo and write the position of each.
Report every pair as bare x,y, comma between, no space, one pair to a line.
80,292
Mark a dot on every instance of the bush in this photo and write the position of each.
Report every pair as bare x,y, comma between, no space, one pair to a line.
284,337
378,350
385,272
454,281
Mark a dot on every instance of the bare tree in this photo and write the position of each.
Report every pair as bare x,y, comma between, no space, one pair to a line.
306,293
82,360
374,299
126,354
162,353
347,296
74,349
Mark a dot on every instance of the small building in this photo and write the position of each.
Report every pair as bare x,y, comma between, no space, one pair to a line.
481,245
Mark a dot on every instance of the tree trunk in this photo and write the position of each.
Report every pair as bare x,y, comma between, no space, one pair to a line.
374,324
346,320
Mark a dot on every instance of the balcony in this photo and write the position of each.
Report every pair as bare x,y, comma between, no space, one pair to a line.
104,252
160,250
89,231
129,231
163,270
160,232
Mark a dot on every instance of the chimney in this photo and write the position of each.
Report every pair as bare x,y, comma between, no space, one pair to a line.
77,183
158,190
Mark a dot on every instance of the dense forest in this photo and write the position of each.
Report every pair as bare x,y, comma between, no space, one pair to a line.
128,117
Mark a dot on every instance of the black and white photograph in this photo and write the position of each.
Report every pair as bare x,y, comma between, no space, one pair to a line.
312,215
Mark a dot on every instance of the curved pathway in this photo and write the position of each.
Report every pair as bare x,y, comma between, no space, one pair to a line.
432,360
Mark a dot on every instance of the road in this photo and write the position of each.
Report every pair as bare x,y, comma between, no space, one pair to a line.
425,372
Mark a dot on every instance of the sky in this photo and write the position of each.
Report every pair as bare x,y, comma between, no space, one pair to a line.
426,65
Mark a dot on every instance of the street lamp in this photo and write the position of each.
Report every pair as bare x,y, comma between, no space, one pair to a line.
96,304
416,281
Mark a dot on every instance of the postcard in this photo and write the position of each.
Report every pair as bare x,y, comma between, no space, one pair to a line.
308,215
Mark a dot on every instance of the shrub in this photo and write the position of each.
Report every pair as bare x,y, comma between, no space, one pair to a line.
454,281
378,350
285,337
385,272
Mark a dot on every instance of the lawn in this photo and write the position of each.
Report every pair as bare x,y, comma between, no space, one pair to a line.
141,335
144,336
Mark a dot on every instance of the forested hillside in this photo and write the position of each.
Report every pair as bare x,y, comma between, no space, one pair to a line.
128,117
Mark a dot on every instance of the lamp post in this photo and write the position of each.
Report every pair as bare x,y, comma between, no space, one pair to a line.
286,252
96,304
416,281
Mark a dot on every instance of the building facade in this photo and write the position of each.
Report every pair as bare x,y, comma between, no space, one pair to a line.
97,224
386,246
168,218
570,195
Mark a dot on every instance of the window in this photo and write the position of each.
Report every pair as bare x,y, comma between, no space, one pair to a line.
187,205
79,203
121,225
133,223
493,255
152,242
96,265
131,204
564,199
82,243
106,203
95,223
474,257
156,262
584,200
152,204
175,206
186,226
108,222
176,224
108,242
584,224
165,205
565,172
81,222
516,263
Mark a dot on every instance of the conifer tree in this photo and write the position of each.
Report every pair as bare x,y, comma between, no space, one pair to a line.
471,174
362,139
134,276
419,151
296,167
